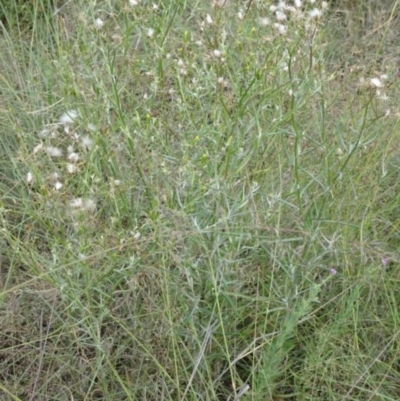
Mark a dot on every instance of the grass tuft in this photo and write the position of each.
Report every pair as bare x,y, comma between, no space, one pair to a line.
199,201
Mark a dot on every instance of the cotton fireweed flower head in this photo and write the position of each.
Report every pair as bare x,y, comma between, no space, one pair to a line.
98,23
53,151
280,15
71,168
80,204
87,143
69,117
376,83
73,157
91,127
315,13
282,29
29,178
58,186
217,53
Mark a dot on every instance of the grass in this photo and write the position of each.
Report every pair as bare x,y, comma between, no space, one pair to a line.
199,204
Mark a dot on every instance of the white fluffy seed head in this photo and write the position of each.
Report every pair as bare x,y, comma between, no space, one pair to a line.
376,82
69,117
53,151
99,23
71,168
73,157
29,178
87,142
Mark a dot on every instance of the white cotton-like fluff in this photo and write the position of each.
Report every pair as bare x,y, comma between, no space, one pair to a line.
76,203
264,21
73,157
58,185
99,23
315,13
88,205
376,82
53,151
69,117
71,168
29,177
87,142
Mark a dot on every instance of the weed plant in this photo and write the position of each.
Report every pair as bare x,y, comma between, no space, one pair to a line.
200,202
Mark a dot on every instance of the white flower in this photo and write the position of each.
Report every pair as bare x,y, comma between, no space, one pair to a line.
29,177
87,143
150,32
71,168
209,19
280,15
133,3
73,157
282,29
298,3
217,53
315,13
376,82
69,117
383,96
58,185
76,203
53,151
263,21
89,205
99,23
